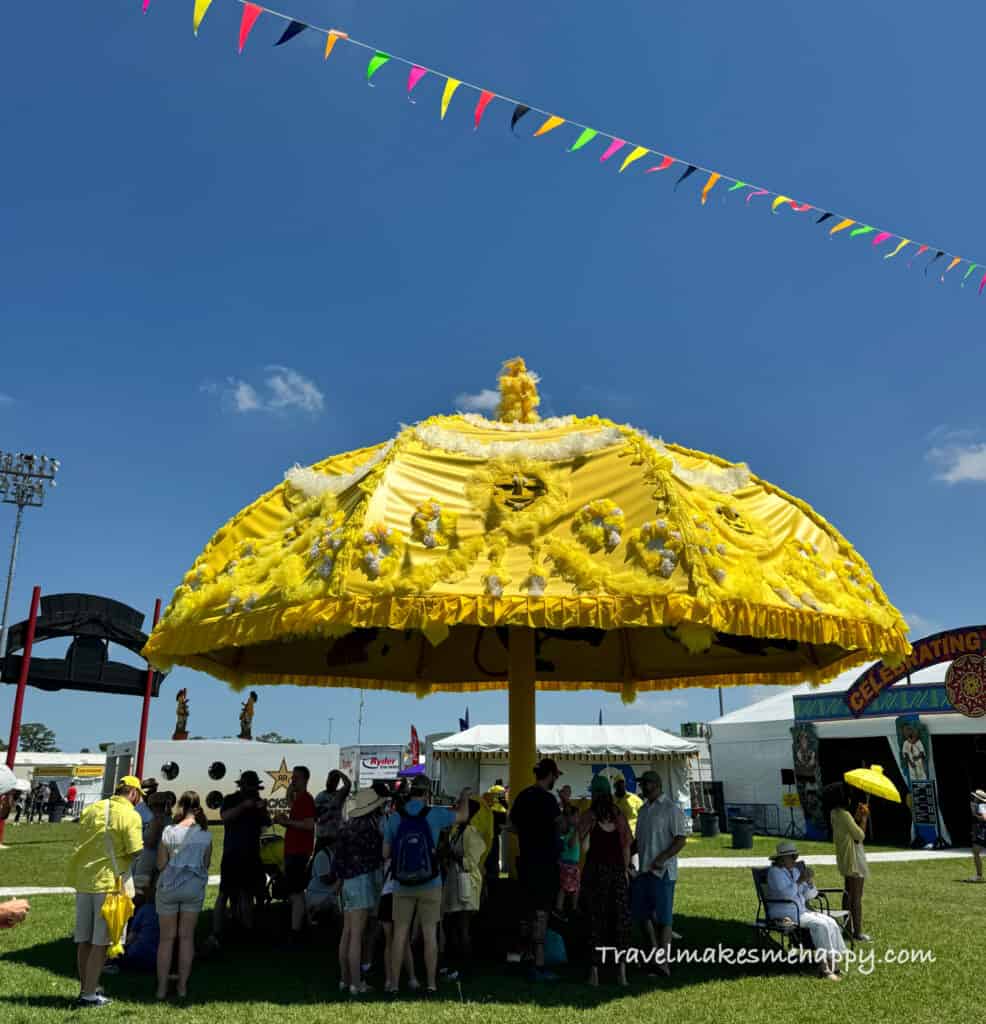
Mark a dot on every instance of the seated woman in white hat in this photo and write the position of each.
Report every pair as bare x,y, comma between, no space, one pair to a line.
792,884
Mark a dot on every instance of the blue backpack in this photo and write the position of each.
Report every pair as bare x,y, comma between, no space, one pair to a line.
414,859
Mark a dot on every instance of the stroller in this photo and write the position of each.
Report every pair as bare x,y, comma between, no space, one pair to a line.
272,859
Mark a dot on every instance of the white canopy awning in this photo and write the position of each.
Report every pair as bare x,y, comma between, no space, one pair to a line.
572,741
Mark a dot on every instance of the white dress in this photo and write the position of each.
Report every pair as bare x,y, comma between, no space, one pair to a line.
783,884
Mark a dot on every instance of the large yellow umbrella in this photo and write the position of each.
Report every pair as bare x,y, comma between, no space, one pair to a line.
568,553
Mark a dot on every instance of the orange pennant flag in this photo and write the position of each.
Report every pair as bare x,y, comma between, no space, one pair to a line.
710,185
634,154
842,225
332,39
550,125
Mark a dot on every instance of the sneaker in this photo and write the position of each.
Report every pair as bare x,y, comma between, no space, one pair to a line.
413,985
359,990
93,1001
863,937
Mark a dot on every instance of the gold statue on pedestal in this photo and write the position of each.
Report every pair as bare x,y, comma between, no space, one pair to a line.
246,717
181,716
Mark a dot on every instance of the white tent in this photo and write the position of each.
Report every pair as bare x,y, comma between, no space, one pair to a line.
479,756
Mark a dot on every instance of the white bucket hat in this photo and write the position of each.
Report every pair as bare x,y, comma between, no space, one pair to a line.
785,848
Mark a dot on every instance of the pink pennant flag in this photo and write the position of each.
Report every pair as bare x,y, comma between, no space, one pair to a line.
882,237
614,147
982,284
923,248
414,76
662,166
757,192
250,14
147,3
485,99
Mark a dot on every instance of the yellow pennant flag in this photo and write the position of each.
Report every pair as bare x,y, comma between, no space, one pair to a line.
900,245
710,185
201,6
550,125
779,201
634,154
451,84
842,225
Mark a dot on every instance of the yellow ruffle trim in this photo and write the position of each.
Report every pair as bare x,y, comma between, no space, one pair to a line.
863,641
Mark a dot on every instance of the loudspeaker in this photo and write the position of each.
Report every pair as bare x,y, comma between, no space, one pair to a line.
787,776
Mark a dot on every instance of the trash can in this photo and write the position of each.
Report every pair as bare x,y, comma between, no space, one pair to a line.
742,829
709,824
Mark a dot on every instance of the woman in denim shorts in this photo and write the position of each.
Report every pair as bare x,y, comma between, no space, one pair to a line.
184,856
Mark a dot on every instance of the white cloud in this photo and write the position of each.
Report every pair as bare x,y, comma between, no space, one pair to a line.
920,626
282,390
485,401
960,463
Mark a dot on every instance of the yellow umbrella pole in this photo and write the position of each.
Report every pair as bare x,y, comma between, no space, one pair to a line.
521,740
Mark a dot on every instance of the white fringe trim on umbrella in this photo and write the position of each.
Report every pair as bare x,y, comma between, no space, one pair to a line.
314,484
725,480
474,419
571,446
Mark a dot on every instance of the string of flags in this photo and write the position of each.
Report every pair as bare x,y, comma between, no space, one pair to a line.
891,243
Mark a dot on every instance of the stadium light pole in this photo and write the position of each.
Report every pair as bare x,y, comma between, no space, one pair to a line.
23,482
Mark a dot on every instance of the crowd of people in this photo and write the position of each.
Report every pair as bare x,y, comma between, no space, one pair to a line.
386,862
45,800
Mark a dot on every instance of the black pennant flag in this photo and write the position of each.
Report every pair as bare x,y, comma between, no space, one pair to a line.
824,217
686,173
294,29
519,111
938,256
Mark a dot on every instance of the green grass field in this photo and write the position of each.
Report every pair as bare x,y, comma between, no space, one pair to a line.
921,906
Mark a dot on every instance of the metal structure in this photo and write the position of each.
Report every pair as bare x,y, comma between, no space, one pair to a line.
23,480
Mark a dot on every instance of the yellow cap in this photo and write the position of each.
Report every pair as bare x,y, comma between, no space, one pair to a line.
133,782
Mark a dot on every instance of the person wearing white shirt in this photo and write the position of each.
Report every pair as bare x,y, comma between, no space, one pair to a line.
660,837
789,885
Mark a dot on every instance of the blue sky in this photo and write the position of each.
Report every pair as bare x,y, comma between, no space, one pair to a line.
216,266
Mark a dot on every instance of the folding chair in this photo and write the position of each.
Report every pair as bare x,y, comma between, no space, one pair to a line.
785,932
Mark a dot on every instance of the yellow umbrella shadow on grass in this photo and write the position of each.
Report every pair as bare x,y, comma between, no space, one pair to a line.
519,553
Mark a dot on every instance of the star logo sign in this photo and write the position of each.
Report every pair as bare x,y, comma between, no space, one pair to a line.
281,778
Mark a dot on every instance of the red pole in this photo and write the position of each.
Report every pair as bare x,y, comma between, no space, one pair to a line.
15,722
145,711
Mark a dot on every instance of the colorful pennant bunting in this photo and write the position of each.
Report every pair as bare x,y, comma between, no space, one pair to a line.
633,156
519,111
687,173
250,14
413,77
377,61
587,135
662,166
485,99
550,125
709,186
198,13
416,72
614,147
294,29
448,92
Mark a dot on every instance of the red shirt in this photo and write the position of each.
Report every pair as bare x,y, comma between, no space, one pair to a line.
297,840
71,794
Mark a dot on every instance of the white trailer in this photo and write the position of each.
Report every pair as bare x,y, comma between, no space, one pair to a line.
367,764
211,767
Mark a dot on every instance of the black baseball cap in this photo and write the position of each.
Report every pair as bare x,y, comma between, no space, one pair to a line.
249,780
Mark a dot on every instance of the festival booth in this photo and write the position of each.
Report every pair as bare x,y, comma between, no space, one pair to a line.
522,554
924,724
481,755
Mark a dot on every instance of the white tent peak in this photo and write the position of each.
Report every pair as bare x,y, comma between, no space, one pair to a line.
568,740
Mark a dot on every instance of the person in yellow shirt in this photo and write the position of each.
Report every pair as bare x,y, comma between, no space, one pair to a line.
110,838
628,803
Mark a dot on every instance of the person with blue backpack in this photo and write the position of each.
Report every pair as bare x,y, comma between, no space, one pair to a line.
410,843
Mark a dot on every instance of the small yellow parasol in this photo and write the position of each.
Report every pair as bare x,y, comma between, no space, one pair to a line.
872,780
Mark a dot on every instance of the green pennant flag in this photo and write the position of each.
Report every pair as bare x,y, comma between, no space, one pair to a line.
588,134
968,272
739,184
377,61
864,230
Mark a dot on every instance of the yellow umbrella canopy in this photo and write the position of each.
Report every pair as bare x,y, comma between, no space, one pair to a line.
471,554
872,780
